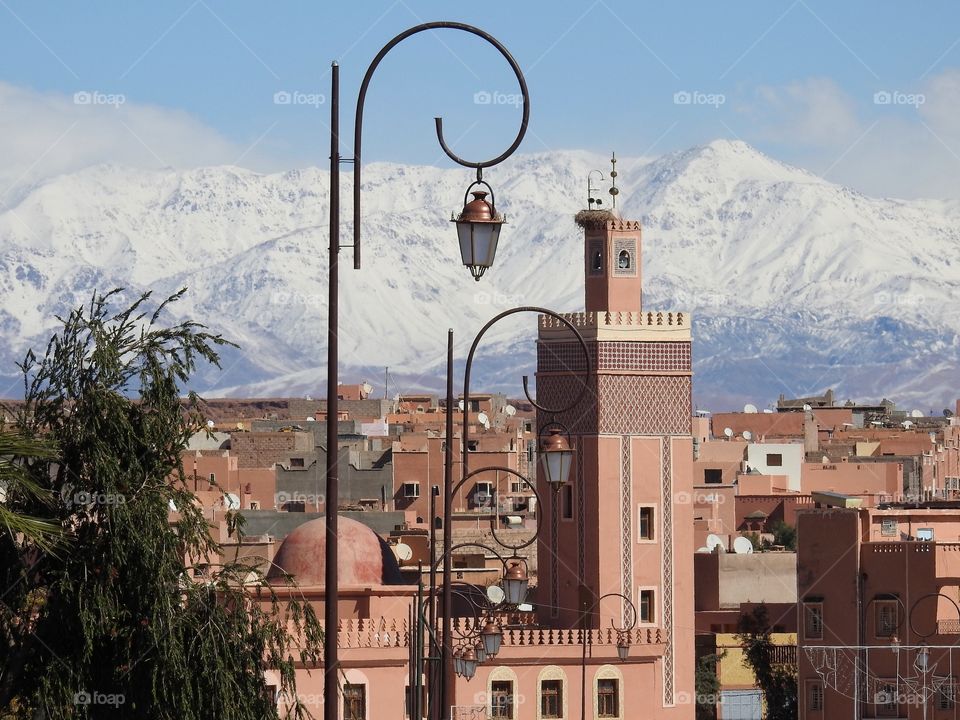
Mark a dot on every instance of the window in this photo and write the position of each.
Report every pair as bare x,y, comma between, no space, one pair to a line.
813,621
925,534
885,700
774,460
296,462
815,696
566,501
946,693
608,698
254,504
887,620
501,700
888,527
713,476
646,606
354,702
623,260
411,490
551,699
213,478
645,522
517,487
472,445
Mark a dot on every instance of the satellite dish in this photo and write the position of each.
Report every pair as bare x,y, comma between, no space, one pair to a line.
483,419
767,411
807,408
876,422
402,551
742,546
231,501
703,549
907,424
728,432
510,410
916,413
367,388
495,594
460,405
714,542
747,435
210,424
525,607
750,408
311,418
308,398
701,413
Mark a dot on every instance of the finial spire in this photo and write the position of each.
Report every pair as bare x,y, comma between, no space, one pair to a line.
614,190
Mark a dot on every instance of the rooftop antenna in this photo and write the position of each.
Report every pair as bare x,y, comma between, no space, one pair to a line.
591,200
614,190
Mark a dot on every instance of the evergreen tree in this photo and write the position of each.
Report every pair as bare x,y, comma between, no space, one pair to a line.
115,624
777,681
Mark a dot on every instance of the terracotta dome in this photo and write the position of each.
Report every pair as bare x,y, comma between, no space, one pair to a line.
365,559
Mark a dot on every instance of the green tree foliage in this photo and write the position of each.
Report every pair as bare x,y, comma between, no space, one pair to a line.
116,625
785,534
707,685
777,681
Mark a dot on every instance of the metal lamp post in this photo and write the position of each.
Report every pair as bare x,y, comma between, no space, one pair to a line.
515,578
473,224
623,642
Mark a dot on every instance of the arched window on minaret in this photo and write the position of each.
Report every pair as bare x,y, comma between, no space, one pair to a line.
623,262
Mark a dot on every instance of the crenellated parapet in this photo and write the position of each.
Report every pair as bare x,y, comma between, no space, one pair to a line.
639,326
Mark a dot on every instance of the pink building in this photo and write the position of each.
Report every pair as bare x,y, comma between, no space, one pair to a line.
879,619
623,524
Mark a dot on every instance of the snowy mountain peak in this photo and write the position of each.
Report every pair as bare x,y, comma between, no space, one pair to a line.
797,284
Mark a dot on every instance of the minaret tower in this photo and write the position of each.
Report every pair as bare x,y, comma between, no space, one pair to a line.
624,523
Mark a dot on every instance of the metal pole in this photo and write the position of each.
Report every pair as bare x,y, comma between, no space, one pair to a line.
434,650
331,663
446,674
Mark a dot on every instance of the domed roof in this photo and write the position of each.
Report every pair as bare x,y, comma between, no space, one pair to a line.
364,557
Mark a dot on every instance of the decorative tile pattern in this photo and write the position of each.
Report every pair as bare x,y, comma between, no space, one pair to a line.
629,404
615,355
626,527
666,472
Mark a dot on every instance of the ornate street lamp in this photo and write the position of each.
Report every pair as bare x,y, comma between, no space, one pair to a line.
478,229
515,583
492,637
458,662
469,663
623,647
556,458
480,652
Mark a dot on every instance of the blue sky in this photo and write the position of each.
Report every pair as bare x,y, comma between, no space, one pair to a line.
864,93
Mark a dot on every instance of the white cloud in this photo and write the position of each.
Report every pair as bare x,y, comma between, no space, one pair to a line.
896,142
45,134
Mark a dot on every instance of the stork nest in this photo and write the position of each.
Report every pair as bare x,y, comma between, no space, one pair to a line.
594,218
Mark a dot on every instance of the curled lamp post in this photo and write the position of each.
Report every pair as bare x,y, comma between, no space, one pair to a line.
515,583
331,662
623,642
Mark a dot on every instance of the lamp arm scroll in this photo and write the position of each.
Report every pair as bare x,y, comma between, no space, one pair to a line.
361,98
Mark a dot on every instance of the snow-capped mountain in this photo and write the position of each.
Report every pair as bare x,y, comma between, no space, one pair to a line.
796,284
